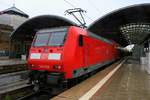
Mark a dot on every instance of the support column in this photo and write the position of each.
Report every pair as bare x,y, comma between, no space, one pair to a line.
138,52
148,67
143,58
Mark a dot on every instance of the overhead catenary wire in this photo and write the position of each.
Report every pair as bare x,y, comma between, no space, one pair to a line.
88,17
76,7
94,6
70,4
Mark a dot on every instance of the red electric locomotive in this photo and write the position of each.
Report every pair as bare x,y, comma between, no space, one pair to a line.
68,52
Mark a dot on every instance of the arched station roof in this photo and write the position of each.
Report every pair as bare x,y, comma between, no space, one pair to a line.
109,26
29,27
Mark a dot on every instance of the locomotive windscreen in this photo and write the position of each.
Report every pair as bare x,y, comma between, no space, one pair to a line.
49,38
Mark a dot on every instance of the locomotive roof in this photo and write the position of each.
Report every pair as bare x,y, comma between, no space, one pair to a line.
52,29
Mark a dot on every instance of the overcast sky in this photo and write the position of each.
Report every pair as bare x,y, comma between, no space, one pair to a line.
95,8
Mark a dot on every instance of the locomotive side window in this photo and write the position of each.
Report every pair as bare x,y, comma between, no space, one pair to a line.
57,38
41,39
81,40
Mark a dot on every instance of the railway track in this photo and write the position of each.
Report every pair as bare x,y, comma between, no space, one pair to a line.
12,68
40,95
52,91
13,81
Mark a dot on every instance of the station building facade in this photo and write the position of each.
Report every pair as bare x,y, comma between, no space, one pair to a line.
10,19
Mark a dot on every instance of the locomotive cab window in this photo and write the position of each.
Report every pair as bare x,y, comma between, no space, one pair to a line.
50,38
41,39
80,40
57,39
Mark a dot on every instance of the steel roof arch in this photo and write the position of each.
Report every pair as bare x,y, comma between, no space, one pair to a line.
43,21
110,22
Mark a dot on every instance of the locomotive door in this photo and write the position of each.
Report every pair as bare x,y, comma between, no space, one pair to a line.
82,50
86,50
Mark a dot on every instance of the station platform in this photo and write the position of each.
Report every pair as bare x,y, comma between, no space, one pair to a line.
5,62
129,82
12,65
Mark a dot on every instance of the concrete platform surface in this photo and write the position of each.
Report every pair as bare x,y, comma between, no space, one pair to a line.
12,62
76,92
129,83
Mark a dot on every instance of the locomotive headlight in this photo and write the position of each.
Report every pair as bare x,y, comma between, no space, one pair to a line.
54,56
35,56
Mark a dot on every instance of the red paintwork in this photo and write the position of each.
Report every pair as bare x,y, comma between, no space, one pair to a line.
74,57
